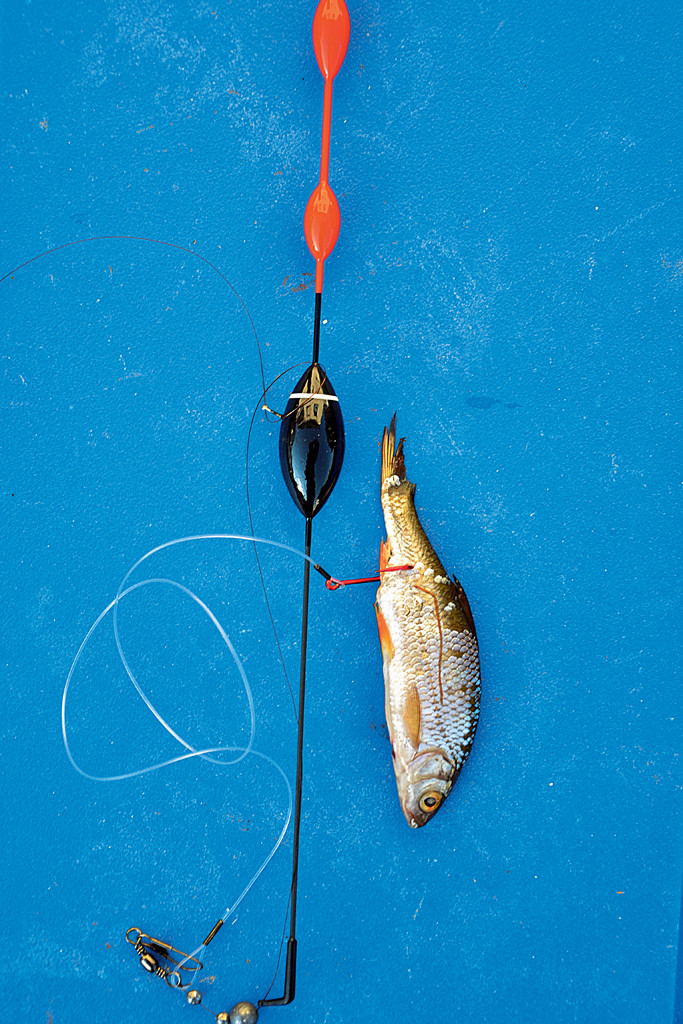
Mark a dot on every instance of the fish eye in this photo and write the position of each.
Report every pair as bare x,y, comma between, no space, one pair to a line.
431,801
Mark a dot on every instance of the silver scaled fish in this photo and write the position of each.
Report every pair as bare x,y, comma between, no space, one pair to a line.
430,653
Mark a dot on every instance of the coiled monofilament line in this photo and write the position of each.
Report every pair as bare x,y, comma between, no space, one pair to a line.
190,751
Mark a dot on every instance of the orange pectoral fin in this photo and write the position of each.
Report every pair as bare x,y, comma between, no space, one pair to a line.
384,636
412,715
384,555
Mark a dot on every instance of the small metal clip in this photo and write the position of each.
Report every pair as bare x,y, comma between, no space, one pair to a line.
156,957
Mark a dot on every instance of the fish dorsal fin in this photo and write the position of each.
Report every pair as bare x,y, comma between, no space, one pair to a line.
412,715
464,604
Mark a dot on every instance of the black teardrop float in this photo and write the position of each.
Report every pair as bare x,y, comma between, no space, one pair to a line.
311,441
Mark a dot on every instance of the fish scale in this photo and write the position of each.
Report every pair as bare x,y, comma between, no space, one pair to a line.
430,652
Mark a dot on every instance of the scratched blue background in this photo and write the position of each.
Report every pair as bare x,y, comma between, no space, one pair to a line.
508,277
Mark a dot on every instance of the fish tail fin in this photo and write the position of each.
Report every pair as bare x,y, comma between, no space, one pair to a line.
392,454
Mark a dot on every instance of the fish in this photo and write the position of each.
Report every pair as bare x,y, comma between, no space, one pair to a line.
430,653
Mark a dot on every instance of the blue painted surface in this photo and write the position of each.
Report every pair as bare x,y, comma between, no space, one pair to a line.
507,277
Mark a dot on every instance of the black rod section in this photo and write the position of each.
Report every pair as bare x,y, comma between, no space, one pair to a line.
316,326
300,732
290,965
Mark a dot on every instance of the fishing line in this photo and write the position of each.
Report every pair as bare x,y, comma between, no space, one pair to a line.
122,592
190,751
149,949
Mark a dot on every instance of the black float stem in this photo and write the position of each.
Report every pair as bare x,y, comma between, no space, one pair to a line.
290,964
300,731
316,326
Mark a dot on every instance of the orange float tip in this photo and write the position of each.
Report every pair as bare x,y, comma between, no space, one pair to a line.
331,31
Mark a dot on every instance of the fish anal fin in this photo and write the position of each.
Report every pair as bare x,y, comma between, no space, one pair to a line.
385,640
464,604
412,716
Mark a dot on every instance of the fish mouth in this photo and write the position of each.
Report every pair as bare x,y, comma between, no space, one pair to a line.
424,785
